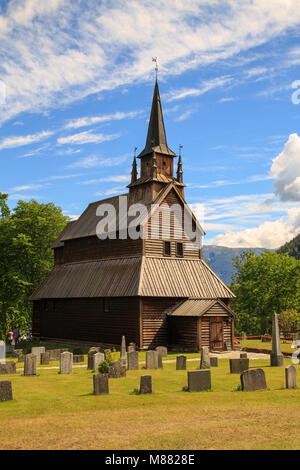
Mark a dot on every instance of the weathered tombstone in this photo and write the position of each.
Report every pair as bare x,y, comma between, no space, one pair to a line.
146,384
97,359
253,379
162,350
45,358
243,355
77,352
101,386
37,351
133,360
276,355
181,362
151,359
78,358
116,370
159,360
55,354
290,377
199,380
91,353
5,390
237,366
213,362
227,346
66,362
2,352
205,360
19,354
123,352
131,347
8,368
30,365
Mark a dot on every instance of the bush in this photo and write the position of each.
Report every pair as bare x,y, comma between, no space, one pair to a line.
289,321
103,367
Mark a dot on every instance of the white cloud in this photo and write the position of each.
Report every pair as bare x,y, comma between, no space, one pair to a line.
113,179
94,161
89,121
204,88
59,51
86,137
25,187
20,141
286,170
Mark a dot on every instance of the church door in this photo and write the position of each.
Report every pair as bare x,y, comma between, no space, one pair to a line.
216,333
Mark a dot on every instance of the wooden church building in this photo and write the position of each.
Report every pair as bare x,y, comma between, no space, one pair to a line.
155,291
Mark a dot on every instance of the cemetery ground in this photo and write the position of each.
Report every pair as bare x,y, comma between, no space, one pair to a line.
54,411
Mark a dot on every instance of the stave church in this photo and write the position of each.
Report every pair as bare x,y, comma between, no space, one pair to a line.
154,290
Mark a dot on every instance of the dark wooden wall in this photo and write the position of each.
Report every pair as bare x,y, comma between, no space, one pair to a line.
184,333
86,320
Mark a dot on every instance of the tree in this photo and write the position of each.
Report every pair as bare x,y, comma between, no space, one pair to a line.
263,285
289,321
26,237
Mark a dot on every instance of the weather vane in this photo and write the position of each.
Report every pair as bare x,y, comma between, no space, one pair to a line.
180,148
155,59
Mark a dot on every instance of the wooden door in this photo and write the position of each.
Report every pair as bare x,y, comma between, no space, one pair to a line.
216,333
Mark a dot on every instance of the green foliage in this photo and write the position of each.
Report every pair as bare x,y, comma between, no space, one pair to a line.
103,367
263,285
26,236
289,321
292,248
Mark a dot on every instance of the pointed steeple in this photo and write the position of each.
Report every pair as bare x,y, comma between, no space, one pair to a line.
179,170
134,169
156,138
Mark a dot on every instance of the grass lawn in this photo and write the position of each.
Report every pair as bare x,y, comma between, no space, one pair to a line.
257,343
53,411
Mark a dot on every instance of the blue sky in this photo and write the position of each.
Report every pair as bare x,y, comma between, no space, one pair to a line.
79,81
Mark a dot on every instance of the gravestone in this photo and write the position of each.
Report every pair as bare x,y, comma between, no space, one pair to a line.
66,362
5,390
131,347
159,360
162,350
116,370
45,358
237,366
133,360
265,339
123,352
227,346
30,365
213,362
146,384
101,386
276,355
8,368
91,353
94,348
97,359
253,379
205,360
290,377
78,358
2,352
38,350
151,359
199,380
243,356
19,354
181,362
55,354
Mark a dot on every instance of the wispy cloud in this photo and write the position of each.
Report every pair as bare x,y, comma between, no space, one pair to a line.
86,137
20,141
94,161
204,88
25,187
109,179
91,120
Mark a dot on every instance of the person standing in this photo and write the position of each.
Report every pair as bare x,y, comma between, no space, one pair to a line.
16,336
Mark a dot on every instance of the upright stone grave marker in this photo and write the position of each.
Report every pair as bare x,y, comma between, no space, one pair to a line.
101,386
181,362
98,358
146,384
30,365
253,379
151,359
290,377
45,358
199,380
8,368
5,390
2,352
131,347
276,355
37,351
91,353
78,358
133,360
205,359
116,370
213,362
162,350
123,352
66,362
237,366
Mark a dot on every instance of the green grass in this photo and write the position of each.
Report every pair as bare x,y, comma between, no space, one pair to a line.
257,343
61,412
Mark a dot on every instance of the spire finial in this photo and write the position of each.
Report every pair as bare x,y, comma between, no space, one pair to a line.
155,59
134,168
179,166
180,148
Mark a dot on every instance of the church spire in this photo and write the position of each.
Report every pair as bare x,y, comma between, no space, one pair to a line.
156,137
134,169
179,167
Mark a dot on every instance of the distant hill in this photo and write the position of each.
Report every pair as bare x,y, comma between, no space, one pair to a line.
292,247
219,258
